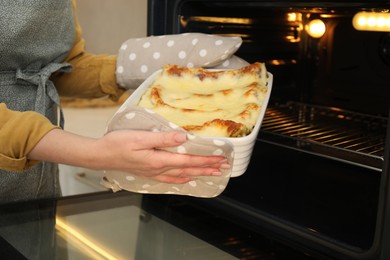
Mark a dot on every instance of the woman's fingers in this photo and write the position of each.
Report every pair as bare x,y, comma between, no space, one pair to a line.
174,160
177,169
185,175
191,172
180,175
162,139
142,153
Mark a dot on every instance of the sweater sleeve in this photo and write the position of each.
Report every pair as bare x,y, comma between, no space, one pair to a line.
92,75
19,133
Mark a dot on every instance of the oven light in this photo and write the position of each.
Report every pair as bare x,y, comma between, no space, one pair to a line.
316,28
371,21
294,17
230,20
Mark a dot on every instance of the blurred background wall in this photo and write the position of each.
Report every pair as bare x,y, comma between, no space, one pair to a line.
108,23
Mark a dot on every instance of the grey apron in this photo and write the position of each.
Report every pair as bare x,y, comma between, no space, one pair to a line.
35,37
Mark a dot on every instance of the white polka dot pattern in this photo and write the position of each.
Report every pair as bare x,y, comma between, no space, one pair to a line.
156,55
139,58
170,43
146,45
182,55
195,41
144,68
203,53
130,115
190,136
139,118
219,142
218,42
226,63
181,149
218,152
130,178
132,56
120,69
192,183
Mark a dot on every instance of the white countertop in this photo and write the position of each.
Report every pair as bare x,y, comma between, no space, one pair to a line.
89,122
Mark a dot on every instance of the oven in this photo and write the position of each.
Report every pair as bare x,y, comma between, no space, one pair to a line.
318,180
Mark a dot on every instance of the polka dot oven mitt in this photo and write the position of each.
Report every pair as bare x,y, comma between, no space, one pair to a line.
139,58
139,118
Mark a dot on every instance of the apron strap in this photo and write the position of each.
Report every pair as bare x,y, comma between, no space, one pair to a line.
45,86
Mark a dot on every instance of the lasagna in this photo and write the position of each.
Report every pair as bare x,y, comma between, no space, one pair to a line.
224,103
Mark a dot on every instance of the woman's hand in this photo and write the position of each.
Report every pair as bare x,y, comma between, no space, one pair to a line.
129,151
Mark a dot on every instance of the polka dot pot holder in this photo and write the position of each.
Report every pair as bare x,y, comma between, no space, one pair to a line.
139,58
138,118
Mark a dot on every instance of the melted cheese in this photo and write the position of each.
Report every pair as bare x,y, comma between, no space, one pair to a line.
209,103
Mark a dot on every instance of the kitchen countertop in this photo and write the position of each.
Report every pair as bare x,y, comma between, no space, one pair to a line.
90,120
124,225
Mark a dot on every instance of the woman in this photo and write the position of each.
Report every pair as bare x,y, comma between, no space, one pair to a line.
42,54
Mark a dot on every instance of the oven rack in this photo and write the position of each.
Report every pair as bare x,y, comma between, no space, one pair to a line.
327,131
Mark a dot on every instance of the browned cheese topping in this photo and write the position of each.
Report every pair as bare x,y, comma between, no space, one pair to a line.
223,103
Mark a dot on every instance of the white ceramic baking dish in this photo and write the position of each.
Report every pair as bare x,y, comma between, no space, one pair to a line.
243,146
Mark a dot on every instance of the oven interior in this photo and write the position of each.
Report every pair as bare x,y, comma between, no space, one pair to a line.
324,133
331,94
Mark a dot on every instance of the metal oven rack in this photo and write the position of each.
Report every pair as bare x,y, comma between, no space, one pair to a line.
326,131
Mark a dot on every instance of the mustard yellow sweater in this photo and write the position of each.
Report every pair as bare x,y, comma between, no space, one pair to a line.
92,76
